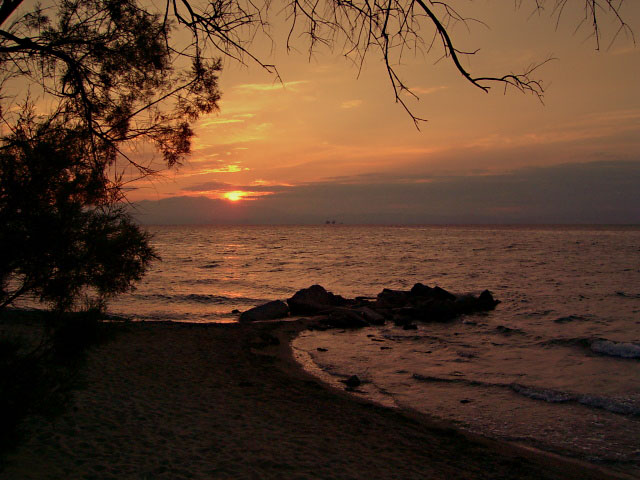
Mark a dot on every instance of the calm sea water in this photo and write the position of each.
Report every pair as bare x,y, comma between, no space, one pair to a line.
555,366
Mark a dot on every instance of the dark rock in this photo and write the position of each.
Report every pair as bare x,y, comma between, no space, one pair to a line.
471,304
365,299
421,290
320,349
410,326
467,303
313,300
371,316
465,400
487,301
408,312
235,310
268,311
353,382
399,319
345,318
441,294
430,304
387,313
392,298
437,311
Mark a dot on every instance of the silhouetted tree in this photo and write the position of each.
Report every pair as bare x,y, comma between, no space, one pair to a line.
84,81
60,235
90,80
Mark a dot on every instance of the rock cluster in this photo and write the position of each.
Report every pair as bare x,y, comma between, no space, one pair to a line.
268,311
421,303
314,300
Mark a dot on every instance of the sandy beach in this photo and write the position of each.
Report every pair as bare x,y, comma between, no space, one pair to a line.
193,401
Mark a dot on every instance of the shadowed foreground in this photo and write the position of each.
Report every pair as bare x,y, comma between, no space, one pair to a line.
178,401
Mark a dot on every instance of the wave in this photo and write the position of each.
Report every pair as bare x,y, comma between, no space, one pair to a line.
628,295
556,396
509,331
169,316
570,318
214,264
199,298
568,342
548,395
616,349
545,394
601,346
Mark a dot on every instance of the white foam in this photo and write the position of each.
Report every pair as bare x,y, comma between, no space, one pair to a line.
609,404
548,395
616,349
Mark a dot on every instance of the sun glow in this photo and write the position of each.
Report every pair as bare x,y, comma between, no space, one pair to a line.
235,195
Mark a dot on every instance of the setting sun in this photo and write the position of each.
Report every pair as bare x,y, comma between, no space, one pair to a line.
235,195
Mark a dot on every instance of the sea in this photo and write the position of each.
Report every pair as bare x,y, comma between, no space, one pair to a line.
556,366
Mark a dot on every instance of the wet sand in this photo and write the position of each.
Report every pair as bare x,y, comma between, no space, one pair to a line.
193,401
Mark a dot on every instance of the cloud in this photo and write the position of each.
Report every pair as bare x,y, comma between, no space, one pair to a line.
427,90
587,128
226,169
210,186
225,187
268,87
351,104
596,192
219,121
218,167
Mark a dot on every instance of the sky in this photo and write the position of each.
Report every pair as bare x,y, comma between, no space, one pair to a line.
329,142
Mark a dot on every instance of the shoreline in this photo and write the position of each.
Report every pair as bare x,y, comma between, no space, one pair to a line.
188,400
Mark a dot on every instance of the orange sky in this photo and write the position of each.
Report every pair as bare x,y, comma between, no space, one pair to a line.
326,125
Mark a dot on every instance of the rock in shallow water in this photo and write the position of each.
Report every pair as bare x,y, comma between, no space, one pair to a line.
346,318
388,298
370,315
353,382
421,303
268,311
314,299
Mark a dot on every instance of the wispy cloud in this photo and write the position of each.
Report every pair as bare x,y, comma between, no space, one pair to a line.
219,166
219,121
580,130
427,90
225,169
268,87
255,187
351,104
